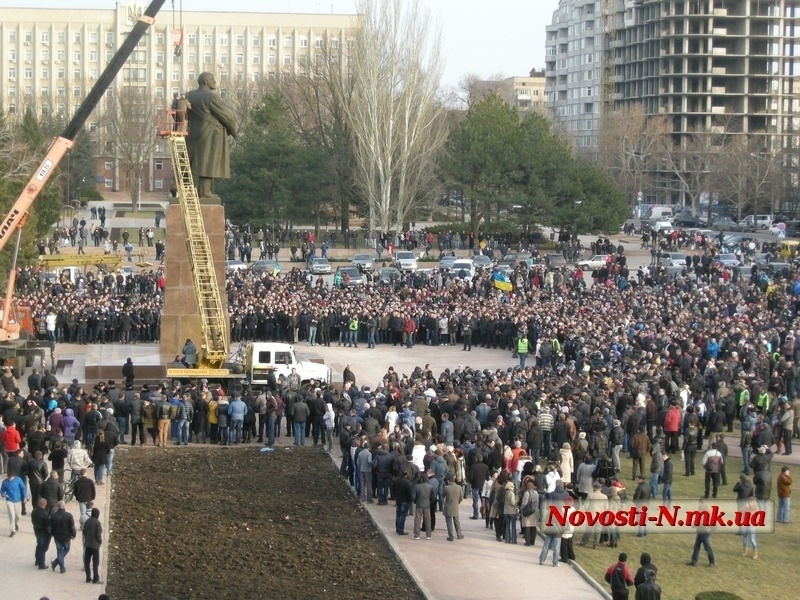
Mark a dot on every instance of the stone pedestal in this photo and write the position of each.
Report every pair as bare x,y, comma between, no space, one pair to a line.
180,319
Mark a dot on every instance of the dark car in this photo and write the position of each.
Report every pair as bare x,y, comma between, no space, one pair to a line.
687,220
555,261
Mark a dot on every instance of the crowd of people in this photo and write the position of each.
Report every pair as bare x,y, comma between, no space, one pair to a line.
651,368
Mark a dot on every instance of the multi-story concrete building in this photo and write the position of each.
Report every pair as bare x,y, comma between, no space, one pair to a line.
713,66
50,58
573,71
526,94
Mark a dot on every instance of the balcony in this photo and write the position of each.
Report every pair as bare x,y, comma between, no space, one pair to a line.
720,12
719,51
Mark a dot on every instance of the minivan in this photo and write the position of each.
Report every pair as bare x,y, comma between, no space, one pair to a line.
753,222
661,213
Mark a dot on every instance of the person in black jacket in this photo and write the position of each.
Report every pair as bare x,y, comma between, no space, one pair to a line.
37,474
84,491
649,589
40,519
62,527
402,491
646,563
92,540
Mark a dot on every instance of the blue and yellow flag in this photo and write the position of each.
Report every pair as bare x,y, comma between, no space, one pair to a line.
501,282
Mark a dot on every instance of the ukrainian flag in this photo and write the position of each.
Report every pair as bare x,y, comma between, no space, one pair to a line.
501,282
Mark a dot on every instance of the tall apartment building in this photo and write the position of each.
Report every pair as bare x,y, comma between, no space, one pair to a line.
50,58
573,81
713,66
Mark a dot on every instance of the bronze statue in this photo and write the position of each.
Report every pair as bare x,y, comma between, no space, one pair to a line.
211,121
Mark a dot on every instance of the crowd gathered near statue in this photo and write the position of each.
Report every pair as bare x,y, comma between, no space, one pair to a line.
611,387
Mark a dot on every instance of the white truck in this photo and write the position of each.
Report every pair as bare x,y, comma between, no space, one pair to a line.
280,358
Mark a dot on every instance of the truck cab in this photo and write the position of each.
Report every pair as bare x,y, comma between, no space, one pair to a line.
262,358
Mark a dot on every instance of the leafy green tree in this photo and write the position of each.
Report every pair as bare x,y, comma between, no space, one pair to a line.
480,156
526,169
594,204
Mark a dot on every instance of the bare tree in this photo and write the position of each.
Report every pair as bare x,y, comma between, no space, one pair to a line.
630,148
394,114
316,96
691,162
742,175
245,95
130,122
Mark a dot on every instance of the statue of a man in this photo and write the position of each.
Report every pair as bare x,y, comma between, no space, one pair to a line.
211,121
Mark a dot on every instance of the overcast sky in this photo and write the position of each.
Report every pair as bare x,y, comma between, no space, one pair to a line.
485,38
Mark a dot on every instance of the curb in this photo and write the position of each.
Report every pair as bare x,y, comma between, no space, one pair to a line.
590,580
425,591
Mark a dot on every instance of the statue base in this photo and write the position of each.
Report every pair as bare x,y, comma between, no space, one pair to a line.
180,319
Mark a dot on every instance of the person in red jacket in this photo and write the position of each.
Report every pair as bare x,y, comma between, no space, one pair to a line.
619,578
409,327
11,439
672,423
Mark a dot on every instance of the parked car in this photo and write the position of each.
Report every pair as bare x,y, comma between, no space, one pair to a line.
595,262
388,274
265,265
685,219
482,261
354,275
723,224
672,259
727,260
780,269
446,262
555,261
320,266
405,260
363,262
463,268
235,265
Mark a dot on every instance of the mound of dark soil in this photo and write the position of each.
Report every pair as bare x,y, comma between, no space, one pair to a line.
211,522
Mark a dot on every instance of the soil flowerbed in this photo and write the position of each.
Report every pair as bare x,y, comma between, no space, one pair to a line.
212,522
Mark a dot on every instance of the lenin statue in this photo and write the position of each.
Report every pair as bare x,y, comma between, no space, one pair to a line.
211,121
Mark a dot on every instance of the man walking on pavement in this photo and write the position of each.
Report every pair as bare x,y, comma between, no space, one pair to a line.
92,540
62,526
452,498
13,491
40,518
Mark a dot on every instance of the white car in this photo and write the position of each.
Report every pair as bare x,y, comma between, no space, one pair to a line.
320,266
235,265
405,260
595,262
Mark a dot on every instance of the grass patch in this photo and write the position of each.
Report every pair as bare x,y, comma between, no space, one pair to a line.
734,573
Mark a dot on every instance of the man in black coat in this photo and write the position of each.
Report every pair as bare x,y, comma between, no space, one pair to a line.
37,475
40,518
62,527
478,474
92,540
52,492
84,491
